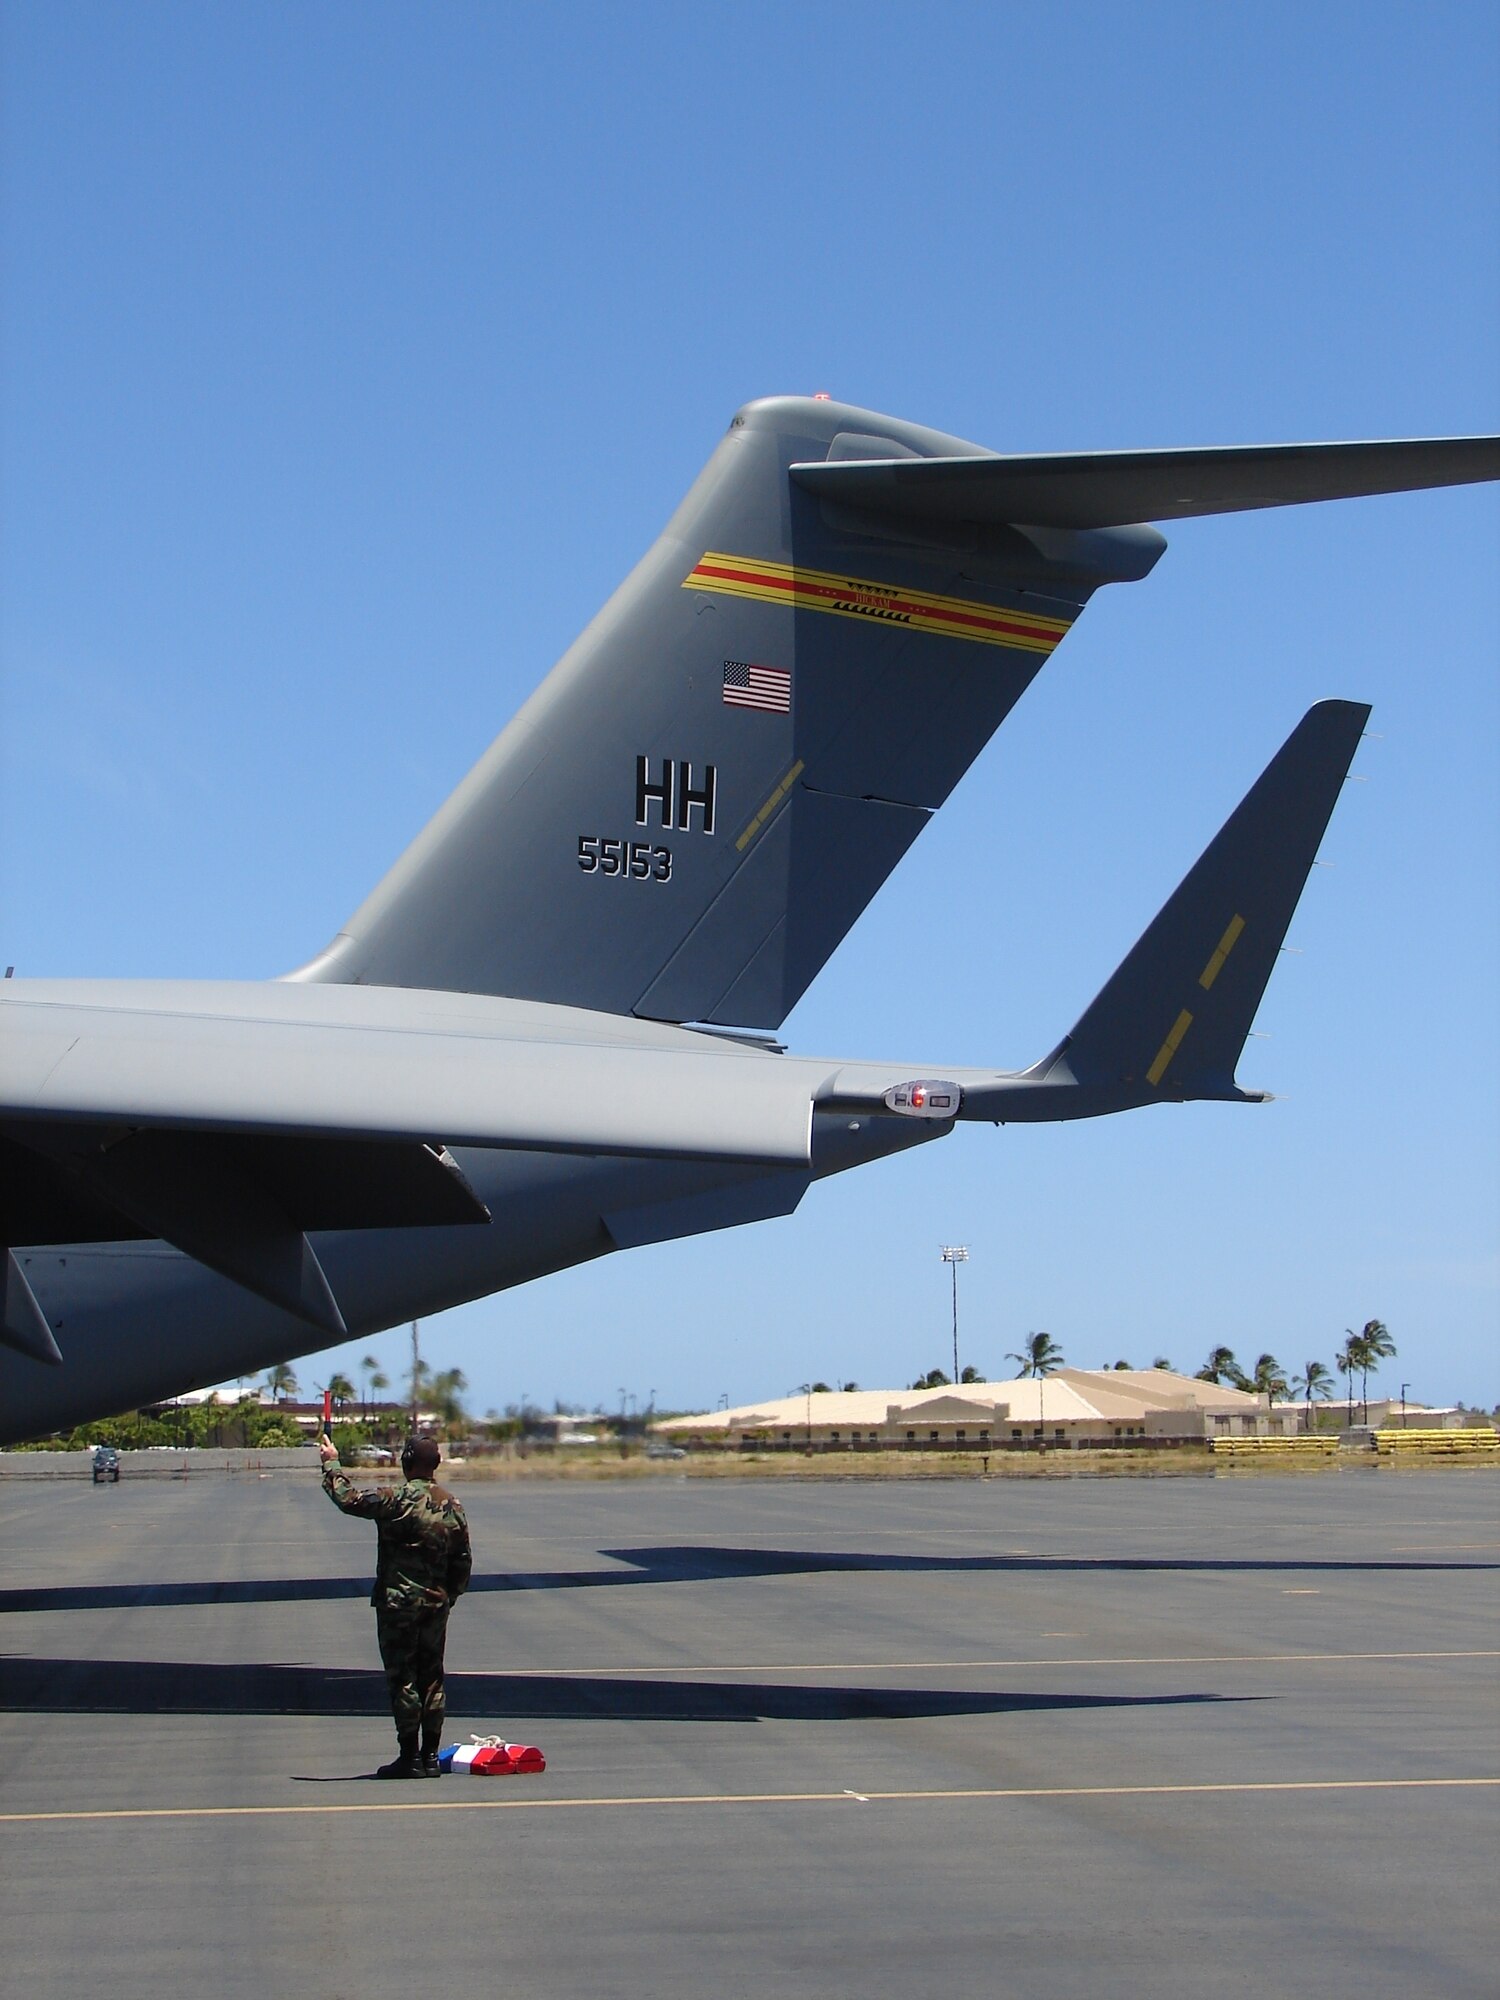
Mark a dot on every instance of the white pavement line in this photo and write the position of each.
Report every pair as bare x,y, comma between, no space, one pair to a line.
955,1797
1438,1548
932,1666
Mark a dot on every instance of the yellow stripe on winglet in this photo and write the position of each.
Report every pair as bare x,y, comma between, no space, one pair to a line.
770,806
1226,945
1169,1047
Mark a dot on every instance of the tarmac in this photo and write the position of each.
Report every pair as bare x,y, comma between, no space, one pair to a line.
1184,1738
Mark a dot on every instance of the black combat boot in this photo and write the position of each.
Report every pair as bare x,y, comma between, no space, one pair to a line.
407,1764
432,1736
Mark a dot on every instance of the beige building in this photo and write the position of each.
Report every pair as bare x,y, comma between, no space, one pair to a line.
1379,1413
1075,1406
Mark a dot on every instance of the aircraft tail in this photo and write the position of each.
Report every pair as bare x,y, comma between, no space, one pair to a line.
1170,1023
706,791
690,812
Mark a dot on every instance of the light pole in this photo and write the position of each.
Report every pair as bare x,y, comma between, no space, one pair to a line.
955,1254
1404,1387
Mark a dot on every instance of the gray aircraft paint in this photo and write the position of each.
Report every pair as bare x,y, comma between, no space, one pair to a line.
494,997
812,807
226,1065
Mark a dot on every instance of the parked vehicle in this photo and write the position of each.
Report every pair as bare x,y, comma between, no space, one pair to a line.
106,1463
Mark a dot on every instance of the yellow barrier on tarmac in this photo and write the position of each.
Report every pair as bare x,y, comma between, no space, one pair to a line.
1319,1449
1481,1442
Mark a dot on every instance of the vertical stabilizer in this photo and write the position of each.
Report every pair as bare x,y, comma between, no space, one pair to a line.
700,799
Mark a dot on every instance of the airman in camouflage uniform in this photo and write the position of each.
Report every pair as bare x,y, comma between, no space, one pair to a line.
422,1568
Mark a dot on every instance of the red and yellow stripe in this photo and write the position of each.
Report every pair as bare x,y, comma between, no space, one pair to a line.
878,603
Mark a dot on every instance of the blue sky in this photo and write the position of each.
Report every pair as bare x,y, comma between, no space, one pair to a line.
351,356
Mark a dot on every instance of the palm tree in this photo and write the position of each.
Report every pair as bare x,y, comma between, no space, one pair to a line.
1269,1380
370,1369
1040,1358
281,1381
1314,1383
447,1394
1347,1363
1221,1366
341,1389
1375,1346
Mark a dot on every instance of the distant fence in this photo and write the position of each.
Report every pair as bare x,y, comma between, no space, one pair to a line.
1477,1446
1482,1442
1318,1449
167,1462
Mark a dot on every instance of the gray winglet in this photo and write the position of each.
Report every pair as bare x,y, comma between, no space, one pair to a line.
1172,1020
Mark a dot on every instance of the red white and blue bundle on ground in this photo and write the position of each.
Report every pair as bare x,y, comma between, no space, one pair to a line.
490,1757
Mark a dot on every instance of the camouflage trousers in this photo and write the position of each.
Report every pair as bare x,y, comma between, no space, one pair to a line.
411,1651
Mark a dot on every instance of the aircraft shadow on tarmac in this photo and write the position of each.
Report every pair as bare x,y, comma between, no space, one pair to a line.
180,1687
687,1564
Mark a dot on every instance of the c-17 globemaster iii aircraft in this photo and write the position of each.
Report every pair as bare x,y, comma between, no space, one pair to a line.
545,1034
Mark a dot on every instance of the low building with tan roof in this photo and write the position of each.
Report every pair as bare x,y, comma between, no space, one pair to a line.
1073,1406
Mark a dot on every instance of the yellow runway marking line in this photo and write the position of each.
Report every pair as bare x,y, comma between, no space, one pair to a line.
935,1666
955,1796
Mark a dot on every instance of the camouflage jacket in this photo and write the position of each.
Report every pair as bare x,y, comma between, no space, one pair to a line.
424,1561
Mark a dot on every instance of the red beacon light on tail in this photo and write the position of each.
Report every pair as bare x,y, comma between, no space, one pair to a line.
925,1099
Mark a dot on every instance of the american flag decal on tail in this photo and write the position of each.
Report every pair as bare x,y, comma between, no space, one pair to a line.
749,686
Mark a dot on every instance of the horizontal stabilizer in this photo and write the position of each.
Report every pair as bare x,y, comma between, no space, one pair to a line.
1105,489
1171,1022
